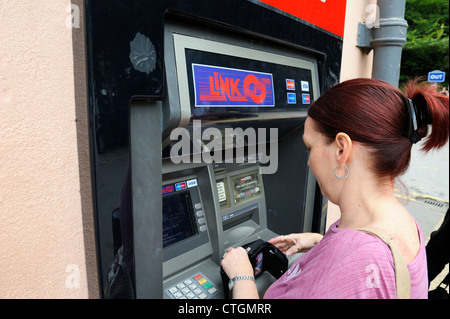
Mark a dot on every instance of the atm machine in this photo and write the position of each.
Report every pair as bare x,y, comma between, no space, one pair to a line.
215,147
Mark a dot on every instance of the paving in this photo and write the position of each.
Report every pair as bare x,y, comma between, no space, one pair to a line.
424,190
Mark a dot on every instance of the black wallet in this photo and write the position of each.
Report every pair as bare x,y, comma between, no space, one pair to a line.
264,257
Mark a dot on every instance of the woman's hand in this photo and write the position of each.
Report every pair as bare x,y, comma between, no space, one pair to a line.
235,263
296,243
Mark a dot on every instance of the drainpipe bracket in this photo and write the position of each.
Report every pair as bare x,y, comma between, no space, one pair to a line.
364,38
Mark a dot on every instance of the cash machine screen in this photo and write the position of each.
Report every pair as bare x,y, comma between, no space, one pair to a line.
178,218
184,223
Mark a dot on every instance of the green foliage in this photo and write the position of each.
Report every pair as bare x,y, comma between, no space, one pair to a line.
427,46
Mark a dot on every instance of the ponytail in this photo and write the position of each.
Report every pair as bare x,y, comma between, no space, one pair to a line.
435,109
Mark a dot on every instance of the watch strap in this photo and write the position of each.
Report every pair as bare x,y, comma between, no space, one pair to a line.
234,280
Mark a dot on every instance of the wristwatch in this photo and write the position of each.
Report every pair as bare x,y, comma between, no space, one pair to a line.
238,278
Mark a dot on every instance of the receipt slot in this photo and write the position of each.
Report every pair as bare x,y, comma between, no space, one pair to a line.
214,145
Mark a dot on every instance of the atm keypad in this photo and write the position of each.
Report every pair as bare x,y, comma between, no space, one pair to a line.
198,286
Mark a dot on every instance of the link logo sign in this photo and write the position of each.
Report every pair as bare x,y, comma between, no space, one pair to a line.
224,87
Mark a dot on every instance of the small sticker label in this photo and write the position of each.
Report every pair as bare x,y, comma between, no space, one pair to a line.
180,186
192,183
290,84
168,189
292,99
305,98
305,85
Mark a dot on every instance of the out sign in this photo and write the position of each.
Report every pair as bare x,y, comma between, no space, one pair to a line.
436,76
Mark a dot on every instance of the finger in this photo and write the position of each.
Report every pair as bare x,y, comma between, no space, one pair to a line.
293,250
282,246
281,241
277,240
227,250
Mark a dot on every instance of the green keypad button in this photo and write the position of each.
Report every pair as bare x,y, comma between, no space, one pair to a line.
207,285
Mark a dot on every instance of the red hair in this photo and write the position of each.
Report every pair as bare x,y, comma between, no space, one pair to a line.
375,114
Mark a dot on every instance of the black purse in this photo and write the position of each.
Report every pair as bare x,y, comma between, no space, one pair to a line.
264,257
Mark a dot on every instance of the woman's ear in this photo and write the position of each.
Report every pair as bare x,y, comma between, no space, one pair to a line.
344,148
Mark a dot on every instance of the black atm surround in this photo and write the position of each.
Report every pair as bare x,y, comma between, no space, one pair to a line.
111,25
112,81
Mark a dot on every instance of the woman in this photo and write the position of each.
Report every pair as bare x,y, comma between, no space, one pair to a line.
359,135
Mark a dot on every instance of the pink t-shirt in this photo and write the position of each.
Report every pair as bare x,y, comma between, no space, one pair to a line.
349,264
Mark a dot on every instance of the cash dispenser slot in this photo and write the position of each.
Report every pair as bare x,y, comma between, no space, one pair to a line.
237,217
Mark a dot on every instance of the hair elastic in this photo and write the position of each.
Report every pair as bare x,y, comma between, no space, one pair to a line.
413,124
419,115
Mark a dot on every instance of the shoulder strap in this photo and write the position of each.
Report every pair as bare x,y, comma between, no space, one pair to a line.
402,277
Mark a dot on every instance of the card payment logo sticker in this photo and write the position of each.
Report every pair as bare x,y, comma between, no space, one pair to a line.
305,85
290,84
306,99
292,99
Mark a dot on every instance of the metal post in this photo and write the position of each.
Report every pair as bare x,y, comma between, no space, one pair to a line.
146,184
388,41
